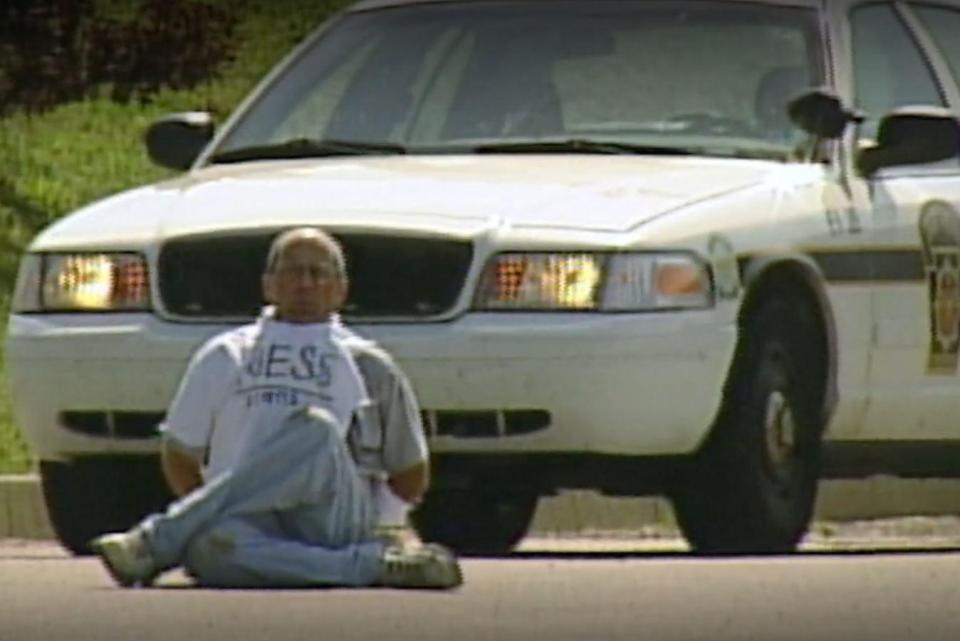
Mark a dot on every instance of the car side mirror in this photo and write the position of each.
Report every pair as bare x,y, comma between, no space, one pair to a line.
821,113
176,140
912,136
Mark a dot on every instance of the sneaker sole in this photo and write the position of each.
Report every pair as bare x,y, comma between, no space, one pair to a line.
457,579
100,549
440,571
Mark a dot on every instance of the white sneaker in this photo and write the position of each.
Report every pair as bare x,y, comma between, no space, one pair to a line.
428,566
396,537
127,557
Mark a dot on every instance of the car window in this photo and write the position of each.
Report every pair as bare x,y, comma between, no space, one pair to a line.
889,69
943,24
660,71
318,103
428,75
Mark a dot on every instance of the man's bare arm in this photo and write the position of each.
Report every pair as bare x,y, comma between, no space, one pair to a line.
181,469
411,484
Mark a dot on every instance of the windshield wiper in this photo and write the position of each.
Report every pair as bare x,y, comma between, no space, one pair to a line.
578,146
307,148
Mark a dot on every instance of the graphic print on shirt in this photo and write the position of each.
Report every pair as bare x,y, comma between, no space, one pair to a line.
940,234
289,375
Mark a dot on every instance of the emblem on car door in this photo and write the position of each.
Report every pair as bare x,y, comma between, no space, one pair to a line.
940,234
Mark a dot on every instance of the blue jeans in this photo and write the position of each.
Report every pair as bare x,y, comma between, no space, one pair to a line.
293,512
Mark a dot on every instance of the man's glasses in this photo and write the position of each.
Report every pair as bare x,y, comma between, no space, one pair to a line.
324,271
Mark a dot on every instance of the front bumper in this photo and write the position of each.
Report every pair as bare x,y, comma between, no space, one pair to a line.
628,384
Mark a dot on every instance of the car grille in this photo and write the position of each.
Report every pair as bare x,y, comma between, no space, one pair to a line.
119,424
485,423
390,277
458,424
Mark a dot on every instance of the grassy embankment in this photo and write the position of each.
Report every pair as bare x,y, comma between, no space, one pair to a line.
54,162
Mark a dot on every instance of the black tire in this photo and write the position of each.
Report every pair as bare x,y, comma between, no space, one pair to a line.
475,523
752,486
93,496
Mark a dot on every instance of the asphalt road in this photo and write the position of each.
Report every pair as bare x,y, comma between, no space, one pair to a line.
557,590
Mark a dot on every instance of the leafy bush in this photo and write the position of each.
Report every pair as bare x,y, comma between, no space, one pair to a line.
56,51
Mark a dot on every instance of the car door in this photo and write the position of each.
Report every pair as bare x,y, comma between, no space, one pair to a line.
914,377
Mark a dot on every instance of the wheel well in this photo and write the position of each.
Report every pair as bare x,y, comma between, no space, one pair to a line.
797,283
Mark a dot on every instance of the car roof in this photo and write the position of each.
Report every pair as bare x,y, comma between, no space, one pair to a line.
364,5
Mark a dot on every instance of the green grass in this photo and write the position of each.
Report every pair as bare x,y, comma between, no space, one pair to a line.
14,454
14,233
55,162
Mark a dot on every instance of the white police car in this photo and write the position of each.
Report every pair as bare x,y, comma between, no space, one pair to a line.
709,249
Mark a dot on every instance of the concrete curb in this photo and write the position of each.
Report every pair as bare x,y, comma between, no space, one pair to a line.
23,514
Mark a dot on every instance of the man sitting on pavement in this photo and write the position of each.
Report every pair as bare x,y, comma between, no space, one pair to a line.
291,443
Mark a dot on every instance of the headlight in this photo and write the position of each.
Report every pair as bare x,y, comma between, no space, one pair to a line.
610,282
82,282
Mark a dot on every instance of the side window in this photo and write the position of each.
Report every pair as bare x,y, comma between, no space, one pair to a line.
889,69
943,24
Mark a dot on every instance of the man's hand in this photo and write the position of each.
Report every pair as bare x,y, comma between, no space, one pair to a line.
181,469
411,484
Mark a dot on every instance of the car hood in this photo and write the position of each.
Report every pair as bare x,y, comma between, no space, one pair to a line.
455,195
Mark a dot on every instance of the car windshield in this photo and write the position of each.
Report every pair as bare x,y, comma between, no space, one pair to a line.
603,76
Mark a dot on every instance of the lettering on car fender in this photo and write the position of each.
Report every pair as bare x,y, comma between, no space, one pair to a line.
726,272
841,215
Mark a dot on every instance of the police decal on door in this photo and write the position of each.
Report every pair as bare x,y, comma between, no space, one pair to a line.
940,235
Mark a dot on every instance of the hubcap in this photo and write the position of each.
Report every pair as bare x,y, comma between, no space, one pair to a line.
779,430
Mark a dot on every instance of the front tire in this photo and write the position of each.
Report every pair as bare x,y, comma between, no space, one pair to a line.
752,486
475,523
90,497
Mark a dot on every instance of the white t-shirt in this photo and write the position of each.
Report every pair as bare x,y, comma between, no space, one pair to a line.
252,378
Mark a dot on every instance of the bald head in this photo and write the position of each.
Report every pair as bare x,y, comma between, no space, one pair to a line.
306,236
305,276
